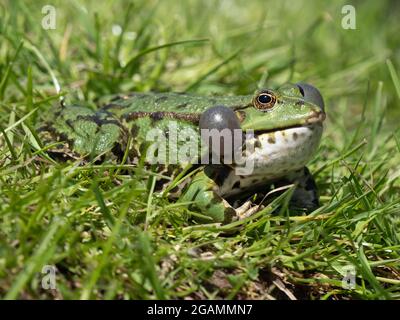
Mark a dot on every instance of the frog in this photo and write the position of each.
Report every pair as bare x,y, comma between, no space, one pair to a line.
286,125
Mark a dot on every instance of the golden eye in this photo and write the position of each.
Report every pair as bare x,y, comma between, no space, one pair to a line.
264,100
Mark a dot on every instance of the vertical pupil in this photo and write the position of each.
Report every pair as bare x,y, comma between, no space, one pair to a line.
264,98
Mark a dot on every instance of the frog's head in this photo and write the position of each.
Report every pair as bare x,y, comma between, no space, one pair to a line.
287,127
290,106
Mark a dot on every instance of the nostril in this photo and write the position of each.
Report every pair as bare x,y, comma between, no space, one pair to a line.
301,90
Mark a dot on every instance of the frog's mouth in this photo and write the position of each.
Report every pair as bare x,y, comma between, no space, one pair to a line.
314,118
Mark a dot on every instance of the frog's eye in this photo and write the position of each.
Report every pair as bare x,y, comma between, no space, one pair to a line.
264,100
311,94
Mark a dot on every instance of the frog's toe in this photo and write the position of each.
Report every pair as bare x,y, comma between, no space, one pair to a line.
246,210
214,207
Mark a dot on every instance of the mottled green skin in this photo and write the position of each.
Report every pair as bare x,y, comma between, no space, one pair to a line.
91,133
97,132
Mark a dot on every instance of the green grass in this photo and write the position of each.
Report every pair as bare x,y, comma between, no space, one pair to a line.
111,237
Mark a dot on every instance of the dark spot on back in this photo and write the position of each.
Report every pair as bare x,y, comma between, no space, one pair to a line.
97,119
159,115
70,124
182,106
295,136
134,130
189,117
236,185
135,115
161,99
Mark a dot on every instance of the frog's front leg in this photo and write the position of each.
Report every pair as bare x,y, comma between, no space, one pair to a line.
202,192
305,195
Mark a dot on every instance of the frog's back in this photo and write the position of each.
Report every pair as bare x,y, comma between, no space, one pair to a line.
132,115
172,102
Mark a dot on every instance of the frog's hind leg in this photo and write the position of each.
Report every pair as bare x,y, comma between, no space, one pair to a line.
204,198
305,196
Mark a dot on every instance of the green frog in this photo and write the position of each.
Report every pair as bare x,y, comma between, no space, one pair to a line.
285,126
